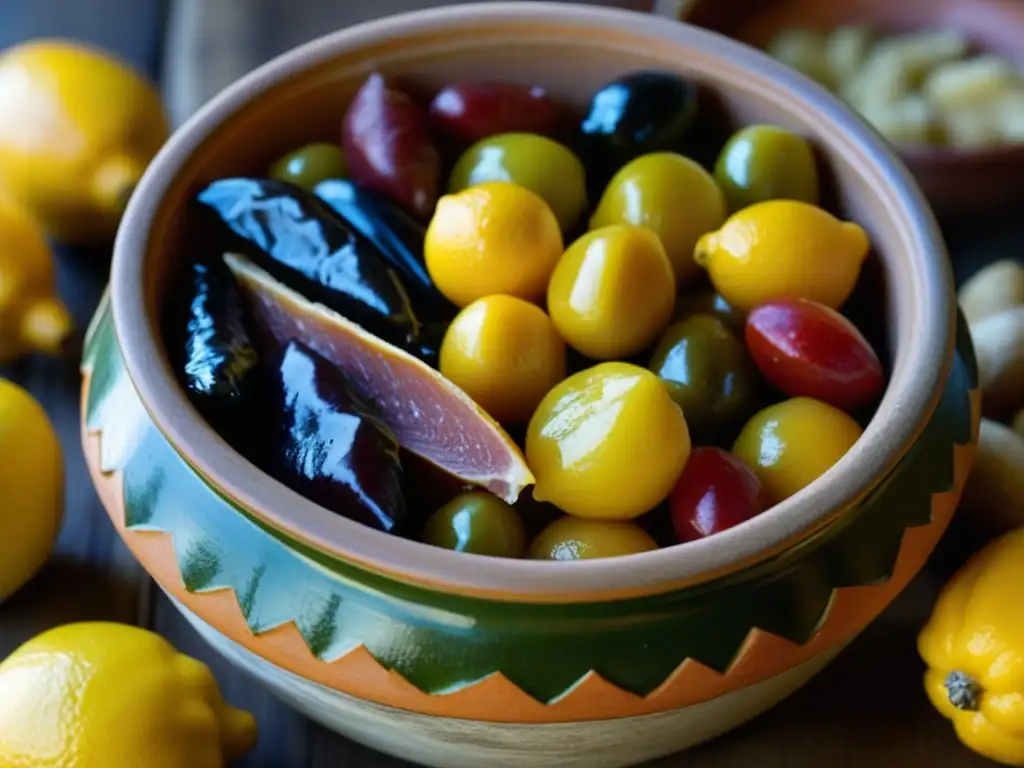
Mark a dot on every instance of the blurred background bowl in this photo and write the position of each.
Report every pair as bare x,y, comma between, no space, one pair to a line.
957,182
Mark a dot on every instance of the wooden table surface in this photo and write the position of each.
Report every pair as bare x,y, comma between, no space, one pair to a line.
867,709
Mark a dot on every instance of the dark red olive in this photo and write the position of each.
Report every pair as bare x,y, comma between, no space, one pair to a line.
715,492
472,111
806,349
387,142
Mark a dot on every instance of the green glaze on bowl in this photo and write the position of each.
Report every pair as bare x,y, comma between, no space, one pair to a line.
441,642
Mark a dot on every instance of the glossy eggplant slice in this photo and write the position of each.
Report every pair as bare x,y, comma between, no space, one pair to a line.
216,356
429,415
331,445
397,236
303,242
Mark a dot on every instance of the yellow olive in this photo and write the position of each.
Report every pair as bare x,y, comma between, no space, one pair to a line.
612,292
791,444
574,538
506,354
670,195
608,442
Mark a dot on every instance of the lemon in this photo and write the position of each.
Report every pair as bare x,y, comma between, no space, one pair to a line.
32,319
496,237
783,249
77,129
607,443
32,479
99,695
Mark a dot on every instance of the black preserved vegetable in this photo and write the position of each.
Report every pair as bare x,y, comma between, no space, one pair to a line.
642,112
304,243
331,446
397,236
216,356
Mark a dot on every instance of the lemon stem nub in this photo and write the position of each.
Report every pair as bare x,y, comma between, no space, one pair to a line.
45,326
115,180
238,732
963,691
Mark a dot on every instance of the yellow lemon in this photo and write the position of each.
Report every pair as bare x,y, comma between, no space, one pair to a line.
607,443
496,237
672,196
506,354
32,319
99,695
783,249
791,444
77,129
32,479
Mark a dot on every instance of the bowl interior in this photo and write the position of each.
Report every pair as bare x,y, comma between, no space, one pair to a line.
572,51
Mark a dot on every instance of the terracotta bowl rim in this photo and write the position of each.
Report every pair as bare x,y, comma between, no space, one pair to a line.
918,376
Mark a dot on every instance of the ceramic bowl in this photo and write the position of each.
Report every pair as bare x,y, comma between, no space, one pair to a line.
957,182
455,660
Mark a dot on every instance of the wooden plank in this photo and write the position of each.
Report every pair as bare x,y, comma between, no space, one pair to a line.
91,576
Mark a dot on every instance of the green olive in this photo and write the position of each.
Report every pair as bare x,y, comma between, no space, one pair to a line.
542,165
765,162
311,164
709,374
477,522
670,195
711,303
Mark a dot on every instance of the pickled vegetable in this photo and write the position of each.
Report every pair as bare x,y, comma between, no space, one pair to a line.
791,444
496,237
573,538
331,446
806,349
397,236
670,195
709,374
308,166
506,354
638,114
218,356
612,292
429,415
542,165
471,111
765,162
300,240
387,141
586,440
715,492
477,522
